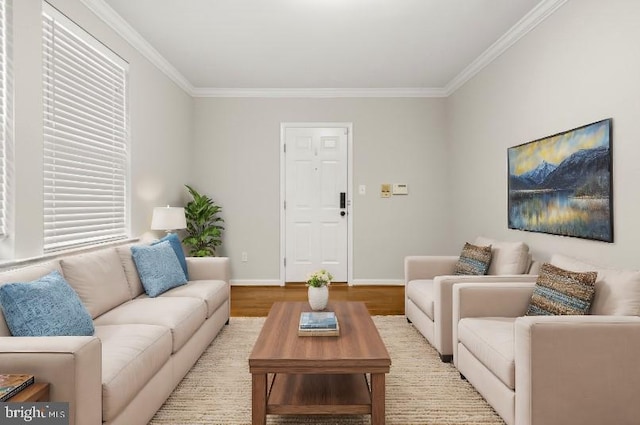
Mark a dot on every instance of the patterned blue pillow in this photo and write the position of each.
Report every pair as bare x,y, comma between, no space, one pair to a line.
158,268
177,248
45,307
474,260
560,292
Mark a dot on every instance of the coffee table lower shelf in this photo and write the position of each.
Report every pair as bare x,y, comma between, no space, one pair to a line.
304,394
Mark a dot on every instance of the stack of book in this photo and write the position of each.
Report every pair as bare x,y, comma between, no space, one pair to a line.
11,385
323,323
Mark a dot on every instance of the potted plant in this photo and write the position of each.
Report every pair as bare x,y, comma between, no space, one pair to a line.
204,233
318,293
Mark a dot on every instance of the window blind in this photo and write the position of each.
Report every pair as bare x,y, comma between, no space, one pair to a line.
85,137
3,117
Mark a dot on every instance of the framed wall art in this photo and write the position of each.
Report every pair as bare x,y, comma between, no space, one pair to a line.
561,184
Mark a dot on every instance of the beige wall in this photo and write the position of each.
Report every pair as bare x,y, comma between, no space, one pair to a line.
160,128
579,66
236,160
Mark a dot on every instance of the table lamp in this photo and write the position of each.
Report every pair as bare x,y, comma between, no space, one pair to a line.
168,219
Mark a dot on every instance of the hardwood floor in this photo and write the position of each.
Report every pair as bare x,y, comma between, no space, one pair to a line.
256,301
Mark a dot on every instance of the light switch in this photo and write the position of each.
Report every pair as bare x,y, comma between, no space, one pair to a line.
385,190
400,189
362,189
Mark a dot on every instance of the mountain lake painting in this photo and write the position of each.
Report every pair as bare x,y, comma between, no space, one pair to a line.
562,184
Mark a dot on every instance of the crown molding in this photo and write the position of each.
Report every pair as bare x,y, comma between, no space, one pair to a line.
105,12
531,20
319,93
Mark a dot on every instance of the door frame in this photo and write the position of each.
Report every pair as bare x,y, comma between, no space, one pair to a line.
283,226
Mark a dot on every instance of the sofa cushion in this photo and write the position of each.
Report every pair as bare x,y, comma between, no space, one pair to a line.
506,257
180,314
25,274
98,278
491,341
158,267
131,356
474,260
44,307
617,291
561,292
130,270
421,293
176,245
213,292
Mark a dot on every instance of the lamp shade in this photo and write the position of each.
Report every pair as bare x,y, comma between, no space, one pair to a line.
168,218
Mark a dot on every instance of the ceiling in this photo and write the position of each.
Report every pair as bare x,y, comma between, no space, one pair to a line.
424,47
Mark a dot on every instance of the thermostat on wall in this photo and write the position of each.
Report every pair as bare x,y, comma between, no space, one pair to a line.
400,189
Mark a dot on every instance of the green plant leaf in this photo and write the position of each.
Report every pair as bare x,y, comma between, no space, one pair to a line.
203,232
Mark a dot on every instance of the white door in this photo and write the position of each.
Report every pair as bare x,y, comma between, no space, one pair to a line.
316,202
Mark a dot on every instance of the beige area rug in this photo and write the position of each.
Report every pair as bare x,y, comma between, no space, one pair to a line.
420,388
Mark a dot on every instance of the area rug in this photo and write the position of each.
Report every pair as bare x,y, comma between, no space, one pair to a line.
420,389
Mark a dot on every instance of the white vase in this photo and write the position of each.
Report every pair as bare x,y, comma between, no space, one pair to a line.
318,297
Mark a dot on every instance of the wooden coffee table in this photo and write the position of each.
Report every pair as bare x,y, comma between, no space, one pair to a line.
321,375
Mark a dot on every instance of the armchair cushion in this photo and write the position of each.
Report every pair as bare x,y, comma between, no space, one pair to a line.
421,293
491,341
506,257
617,291
474,260
562,292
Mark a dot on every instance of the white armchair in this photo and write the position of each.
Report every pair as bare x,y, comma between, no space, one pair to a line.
551,370
429,281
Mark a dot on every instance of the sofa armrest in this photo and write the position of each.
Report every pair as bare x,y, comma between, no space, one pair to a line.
428,266
72,365
208,268
492,299
588,362
443,302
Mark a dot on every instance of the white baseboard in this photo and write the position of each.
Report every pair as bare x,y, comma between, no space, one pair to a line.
255,282
354,282
377,282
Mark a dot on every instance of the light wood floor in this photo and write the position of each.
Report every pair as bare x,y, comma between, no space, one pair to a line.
256,301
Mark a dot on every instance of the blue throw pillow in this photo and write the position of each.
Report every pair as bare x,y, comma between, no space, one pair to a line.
158,268
45,307
177,247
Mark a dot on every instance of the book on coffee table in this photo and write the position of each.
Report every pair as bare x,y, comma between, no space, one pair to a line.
323,323
12,384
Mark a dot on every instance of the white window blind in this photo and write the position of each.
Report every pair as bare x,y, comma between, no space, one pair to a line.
4,119
85,137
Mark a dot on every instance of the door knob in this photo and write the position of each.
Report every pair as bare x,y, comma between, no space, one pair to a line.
343,213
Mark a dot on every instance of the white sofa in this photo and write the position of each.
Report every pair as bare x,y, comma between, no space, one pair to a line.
552,370
142,347
429,281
